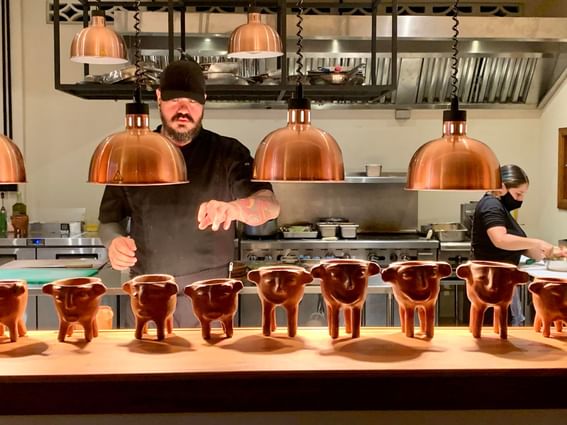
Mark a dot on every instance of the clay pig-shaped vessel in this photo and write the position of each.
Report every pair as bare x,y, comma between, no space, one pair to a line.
153,297
280,285
416,285
103,318
214,299
13,302
490,284
76,301
549,296
344,284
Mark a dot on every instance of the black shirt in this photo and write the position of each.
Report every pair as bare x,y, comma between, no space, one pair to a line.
164,218
490,212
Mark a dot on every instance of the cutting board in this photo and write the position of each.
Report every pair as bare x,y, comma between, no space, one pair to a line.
69,263
39,276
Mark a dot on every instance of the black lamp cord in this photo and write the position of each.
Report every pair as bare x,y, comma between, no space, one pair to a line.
138,55
299,51
454,58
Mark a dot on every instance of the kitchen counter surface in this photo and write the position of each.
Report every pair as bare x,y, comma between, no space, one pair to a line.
382,370
39,240
538,269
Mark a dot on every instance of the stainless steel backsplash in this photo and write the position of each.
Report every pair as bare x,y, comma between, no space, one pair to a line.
376,207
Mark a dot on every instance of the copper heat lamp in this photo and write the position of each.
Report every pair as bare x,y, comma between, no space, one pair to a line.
12,168
254,40
299,152
454,161
98,44
137,156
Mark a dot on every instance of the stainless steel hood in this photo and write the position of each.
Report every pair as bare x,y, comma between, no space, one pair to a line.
505,62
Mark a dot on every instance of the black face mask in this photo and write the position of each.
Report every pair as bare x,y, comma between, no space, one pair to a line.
509,202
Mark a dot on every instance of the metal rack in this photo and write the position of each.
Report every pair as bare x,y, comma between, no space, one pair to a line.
249,93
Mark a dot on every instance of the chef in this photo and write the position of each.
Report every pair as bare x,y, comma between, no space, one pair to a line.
497,236
186,230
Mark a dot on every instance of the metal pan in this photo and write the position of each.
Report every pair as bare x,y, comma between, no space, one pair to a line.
353,76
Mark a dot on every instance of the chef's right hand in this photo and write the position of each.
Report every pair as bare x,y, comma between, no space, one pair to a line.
558,252
122,253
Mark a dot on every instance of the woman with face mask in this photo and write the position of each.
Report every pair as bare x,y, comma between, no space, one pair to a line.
497,236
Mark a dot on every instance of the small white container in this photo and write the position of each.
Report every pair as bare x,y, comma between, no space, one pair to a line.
348,230
373,170
327,230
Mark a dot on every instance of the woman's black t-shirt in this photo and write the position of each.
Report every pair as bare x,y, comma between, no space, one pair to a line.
490,212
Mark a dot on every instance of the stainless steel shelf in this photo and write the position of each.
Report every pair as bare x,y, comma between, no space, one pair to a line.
39,241
359,178
378,243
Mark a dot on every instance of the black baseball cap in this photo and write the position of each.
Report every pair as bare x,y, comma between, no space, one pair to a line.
183,78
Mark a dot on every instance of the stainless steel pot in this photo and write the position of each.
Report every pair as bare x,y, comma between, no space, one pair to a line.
269,228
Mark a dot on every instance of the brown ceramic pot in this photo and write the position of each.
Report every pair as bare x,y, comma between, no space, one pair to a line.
76,301
280,285
153,297
490,284
344,284
103,318
20,223
13,302
549,296
214,299
416,285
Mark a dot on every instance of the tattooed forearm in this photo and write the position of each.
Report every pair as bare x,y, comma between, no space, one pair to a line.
258,208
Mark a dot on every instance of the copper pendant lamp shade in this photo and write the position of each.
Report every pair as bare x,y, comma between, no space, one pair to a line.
98,44
454,161
299,152
12,168
254,40
137,155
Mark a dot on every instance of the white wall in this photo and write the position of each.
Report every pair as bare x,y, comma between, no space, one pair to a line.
59,132
552,221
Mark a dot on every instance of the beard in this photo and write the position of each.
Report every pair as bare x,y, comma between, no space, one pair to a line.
181,137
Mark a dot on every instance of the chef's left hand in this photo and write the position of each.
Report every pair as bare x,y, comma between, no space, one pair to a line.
215,213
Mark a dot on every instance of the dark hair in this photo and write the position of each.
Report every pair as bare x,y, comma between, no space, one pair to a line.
513,176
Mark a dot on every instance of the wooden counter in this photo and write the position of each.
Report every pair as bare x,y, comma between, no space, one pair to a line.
382,370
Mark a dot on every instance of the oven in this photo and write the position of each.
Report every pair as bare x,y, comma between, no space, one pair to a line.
380,307
453,305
